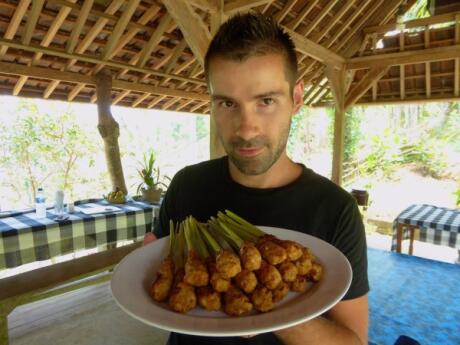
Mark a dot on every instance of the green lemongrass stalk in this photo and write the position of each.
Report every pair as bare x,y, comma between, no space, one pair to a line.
198,244
251,228
239,229
172,237
178,246
213,245
229,235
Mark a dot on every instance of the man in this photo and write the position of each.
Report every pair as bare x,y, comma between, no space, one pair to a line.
251,71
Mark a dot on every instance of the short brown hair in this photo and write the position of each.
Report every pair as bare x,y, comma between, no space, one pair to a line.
252,34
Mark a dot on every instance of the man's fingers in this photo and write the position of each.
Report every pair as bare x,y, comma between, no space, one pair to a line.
149,237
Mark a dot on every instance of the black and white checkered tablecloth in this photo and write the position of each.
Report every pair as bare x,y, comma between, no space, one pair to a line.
24,238
437,225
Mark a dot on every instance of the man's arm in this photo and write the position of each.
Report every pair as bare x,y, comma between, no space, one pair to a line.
346,323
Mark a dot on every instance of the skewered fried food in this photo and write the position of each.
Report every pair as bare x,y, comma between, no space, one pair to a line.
288,271
236,303
196,273
251,258
293,250
262,299
272,252
218,283
269,276
208,298
246,281
182,298
280,292
228,264
162,285
299,284
305,263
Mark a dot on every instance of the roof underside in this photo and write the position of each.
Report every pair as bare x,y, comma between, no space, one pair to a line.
53,48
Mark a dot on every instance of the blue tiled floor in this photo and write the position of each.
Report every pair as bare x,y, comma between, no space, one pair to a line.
415,297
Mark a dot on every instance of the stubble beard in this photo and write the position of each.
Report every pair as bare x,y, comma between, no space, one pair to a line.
264,161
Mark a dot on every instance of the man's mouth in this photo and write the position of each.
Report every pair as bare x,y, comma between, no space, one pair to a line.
249,151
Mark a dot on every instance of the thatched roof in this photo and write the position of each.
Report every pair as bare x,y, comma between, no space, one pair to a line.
53,48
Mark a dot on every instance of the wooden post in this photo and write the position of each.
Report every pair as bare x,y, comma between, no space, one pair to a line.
109,130
337,80
216,149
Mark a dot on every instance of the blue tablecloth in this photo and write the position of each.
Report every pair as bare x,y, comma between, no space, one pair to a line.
415,297
24,238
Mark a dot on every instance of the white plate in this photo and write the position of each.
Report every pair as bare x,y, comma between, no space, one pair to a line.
135,273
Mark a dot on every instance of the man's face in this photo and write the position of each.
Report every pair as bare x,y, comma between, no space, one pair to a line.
252,107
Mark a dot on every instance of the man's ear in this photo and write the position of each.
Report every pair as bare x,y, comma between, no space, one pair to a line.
298,95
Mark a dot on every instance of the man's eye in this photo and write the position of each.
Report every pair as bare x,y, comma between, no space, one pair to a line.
267,101
226,104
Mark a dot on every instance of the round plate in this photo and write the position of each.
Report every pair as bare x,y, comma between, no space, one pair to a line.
136,272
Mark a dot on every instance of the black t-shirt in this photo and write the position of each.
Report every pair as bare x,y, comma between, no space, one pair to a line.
311,204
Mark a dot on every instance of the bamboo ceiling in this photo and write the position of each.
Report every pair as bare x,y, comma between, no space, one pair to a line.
154,49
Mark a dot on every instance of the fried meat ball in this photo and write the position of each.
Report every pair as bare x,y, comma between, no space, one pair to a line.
183,298
269,276
250,256
162,285
305,263
272,252
196,273
228,264
288,271
236,303
208,298
293,250
218,282
299,284
246,281
280,292
316,272
262,299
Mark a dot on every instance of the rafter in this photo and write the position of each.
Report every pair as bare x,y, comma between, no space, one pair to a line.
405,57
78,27
32,19
154,40
301,16
319,17
243,5
14,23
205,5
365,84
284,11
119,28
193,29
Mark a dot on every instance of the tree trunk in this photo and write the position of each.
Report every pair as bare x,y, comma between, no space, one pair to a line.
109,130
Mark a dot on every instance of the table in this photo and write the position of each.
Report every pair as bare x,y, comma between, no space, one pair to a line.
412,296
438,225
24,238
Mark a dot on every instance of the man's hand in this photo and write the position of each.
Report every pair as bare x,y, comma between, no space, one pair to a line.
149,237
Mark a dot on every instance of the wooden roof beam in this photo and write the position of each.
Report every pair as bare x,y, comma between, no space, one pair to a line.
405,57
301,16
205,5
32,19
119,28
284,11
243,5
319,17
76,31
191,25
315,50
365,84
14,23
153,42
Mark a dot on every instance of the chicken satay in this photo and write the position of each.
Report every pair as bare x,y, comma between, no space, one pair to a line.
272,252
288,271
236,303
218,282
316,272
228,264
280,292
196,273
208,298
269,276
250,256
161,287
246,281
293,250
182,298
262,299
299,284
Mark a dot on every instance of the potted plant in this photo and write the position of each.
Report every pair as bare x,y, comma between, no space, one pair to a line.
151,184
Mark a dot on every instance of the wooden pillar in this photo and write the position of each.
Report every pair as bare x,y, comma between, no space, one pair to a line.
216,149
109,130
337,80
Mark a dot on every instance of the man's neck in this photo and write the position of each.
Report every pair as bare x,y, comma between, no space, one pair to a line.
282,173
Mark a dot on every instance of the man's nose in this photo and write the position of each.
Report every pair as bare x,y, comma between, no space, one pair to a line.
247,124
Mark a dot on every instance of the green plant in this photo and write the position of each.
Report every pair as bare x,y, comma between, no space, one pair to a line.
150,174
